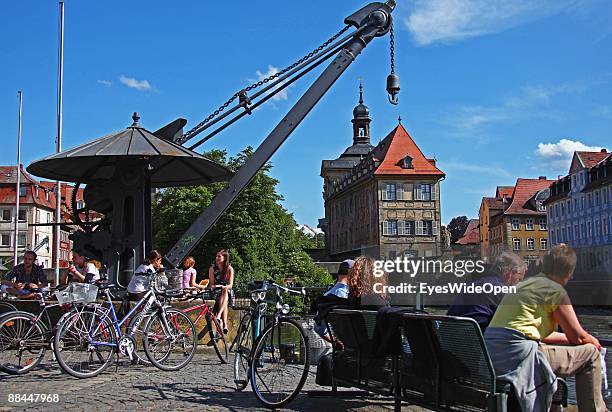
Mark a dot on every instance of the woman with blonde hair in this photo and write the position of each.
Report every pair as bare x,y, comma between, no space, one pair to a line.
190,274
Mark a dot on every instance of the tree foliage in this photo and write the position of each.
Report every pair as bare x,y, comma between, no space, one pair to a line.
259,233
457,227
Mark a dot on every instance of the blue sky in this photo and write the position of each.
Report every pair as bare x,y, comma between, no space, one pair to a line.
495,90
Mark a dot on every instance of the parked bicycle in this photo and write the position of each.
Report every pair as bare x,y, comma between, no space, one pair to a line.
271,350
87,340
25,337
213,327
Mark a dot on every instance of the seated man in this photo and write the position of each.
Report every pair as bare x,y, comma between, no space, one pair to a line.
333,297
508,269
24,277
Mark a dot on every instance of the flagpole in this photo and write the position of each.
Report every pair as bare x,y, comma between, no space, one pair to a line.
17,190
58,193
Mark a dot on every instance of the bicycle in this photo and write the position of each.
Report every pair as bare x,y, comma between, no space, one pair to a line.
213,328
93,335
279,359
25,337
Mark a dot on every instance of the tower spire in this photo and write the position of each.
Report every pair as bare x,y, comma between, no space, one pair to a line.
361,120
360,92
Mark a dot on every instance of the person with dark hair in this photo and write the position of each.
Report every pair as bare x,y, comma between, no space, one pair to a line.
336,295
24,277
139,285
524,329
83,270
221,274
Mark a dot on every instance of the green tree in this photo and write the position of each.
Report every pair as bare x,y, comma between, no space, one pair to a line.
259,233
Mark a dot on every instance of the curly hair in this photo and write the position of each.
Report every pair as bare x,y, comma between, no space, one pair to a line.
361,277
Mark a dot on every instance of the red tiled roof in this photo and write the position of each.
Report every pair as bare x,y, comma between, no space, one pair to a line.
524,190
590,159
394,148
502,191
493,203
471,236
36,191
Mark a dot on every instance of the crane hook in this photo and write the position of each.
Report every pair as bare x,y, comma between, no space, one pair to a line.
393,88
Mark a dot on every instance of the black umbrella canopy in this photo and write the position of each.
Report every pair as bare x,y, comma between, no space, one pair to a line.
171,164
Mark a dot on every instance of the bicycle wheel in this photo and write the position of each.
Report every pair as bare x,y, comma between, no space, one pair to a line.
138,335
6,307
84,343
23,342
217,338
170,340
242,348
279,364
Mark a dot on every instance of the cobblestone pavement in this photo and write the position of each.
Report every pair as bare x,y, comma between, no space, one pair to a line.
203,385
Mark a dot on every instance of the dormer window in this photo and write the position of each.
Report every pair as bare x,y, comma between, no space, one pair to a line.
407,163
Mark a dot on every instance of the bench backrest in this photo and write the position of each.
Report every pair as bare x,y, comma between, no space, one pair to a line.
459,347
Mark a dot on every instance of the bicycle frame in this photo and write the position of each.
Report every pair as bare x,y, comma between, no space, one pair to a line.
148,300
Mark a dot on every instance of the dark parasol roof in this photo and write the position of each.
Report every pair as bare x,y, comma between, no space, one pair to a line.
172,164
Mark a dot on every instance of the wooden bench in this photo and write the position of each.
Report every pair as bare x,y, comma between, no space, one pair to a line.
443,363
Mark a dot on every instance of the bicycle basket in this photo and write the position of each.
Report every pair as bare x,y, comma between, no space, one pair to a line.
170,280
77,292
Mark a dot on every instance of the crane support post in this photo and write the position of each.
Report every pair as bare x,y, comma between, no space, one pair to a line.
373,20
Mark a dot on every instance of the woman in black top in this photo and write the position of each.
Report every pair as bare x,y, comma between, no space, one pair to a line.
221,274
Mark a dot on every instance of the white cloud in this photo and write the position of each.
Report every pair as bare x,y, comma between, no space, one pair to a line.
106,83
559,155
282,95
446,21
132,83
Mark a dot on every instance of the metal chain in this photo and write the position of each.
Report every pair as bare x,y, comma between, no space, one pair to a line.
224,106
392,48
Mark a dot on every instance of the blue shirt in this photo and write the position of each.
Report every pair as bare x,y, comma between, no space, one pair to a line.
339,289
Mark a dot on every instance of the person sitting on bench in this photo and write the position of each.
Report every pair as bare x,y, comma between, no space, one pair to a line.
24,277
508,270
524,327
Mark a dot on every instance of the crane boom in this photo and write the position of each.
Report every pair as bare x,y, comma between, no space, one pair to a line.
371,21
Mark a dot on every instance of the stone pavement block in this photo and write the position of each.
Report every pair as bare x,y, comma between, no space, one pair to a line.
204,384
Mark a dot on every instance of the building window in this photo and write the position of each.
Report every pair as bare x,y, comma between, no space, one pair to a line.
6,215
406,227
390,228
582,202
21,240
407,162
530,244
5,239
569,207
361,132
23,215
423,191
575,205
590,200
596,198
516,224
529,224
583,230
562,209
516,242
389,191
589,230
563,235
23,190
542,224
576,232
543,244
428,228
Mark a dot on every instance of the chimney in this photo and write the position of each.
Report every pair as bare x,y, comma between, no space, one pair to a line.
542,177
